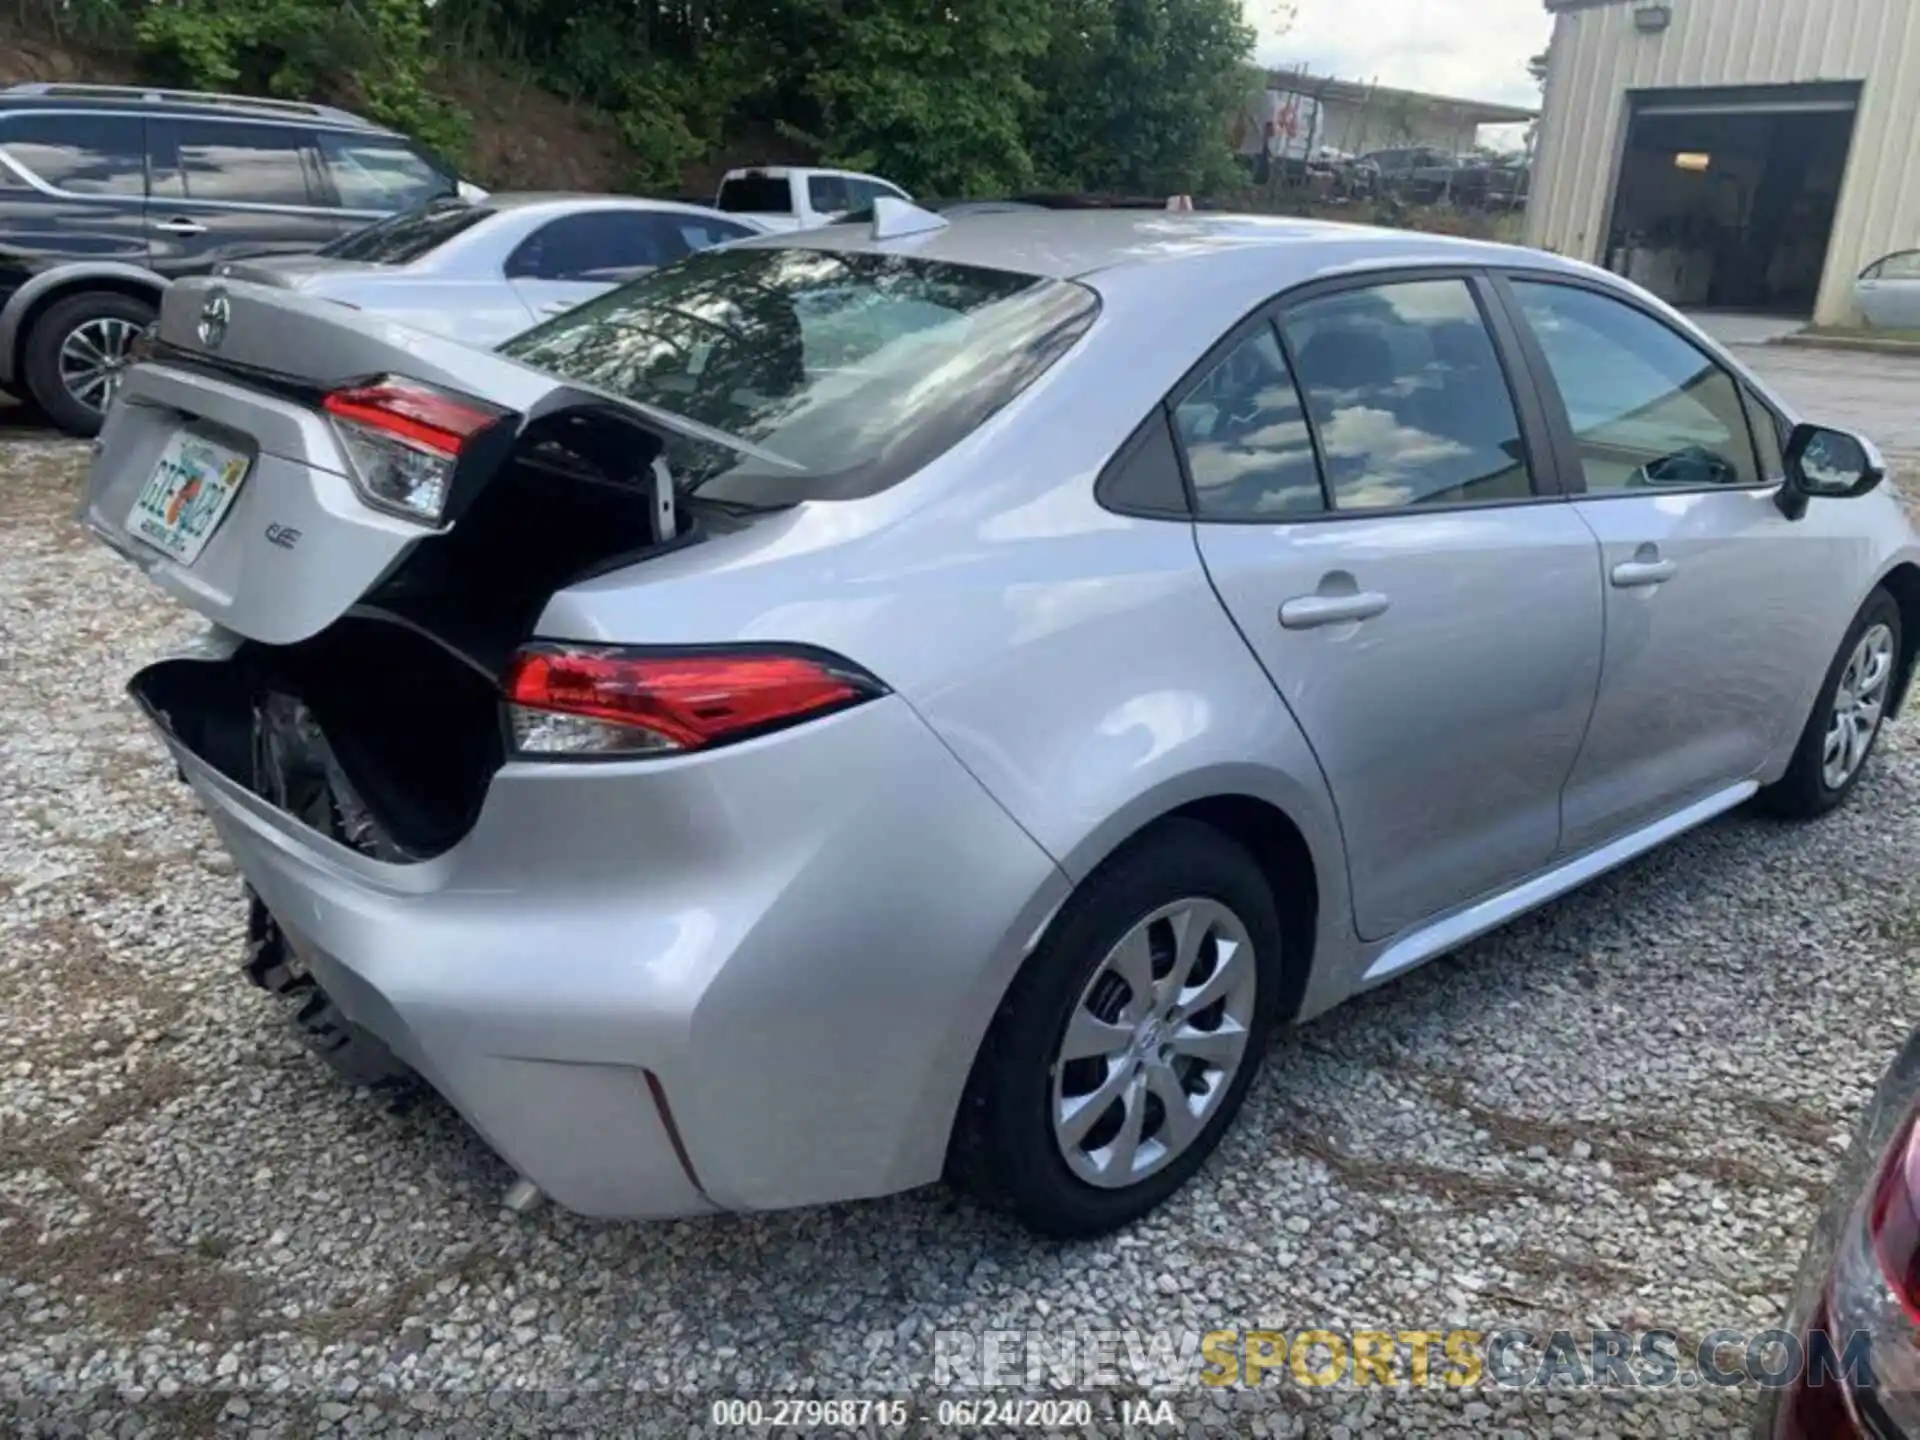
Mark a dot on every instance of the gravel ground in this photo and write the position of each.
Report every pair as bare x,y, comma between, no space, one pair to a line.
1618,1112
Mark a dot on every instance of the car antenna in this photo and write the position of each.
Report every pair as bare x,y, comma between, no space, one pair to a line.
893,219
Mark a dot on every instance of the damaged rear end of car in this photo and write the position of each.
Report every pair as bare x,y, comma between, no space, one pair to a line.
559,876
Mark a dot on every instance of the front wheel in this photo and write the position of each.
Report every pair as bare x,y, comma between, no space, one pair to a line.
1848,716
1126,1046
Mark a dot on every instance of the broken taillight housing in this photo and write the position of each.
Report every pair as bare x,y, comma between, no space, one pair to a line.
600,702
404,439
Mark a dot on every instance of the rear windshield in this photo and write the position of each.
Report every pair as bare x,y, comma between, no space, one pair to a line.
853,370
757,195
403,238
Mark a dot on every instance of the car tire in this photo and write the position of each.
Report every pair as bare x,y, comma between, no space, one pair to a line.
1013,1137
1814,783
104,315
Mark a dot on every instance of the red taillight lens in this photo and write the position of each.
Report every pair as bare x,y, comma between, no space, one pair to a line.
565,700
1894,1222
404,439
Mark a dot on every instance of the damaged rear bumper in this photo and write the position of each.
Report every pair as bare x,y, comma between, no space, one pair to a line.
746,979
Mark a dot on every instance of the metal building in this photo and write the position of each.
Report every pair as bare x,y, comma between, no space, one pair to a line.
1732,154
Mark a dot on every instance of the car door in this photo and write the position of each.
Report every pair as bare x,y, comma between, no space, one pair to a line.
1423,601
1889,292
570,260
227,189
73,186
1719,608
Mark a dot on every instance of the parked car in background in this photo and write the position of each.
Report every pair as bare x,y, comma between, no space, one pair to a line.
1418,173
108,192
932,698
1855,1308
480,272
789,197
1888,292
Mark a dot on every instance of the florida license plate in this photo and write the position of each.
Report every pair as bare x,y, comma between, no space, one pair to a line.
188,494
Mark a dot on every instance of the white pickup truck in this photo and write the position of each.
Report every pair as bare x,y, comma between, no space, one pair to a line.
785,197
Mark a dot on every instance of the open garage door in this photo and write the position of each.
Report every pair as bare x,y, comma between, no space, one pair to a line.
1726,198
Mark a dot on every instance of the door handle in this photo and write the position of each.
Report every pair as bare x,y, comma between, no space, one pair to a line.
1310,612
1638,574
558,307
180,225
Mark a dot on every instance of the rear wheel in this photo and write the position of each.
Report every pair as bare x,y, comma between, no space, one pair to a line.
1126,1046
1847,718
76,353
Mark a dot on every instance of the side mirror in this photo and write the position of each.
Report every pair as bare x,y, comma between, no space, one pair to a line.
1830,464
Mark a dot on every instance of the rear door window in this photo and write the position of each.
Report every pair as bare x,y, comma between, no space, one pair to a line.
1246,439
829,194
1407,397
380,172
756,195
80,154
234,163
599,245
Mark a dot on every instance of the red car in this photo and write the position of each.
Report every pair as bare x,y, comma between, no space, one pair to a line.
1856,1303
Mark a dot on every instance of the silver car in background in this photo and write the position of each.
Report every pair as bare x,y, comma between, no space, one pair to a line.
929,699
484,270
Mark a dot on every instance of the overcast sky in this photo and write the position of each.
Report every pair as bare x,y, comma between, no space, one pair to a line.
1476,49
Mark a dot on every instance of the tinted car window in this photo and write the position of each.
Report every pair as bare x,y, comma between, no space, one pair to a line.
1246,438
854,370
81,154
406,237
699,232
1407,397
1649,409
828,194
756,195
598,245
1904,266
380,172
233,163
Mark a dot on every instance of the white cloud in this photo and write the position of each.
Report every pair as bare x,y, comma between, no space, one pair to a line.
1476,49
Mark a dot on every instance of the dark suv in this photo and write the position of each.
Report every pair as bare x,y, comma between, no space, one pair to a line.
106,193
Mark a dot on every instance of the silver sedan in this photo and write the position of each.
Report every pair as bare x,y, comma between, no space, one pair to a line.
930,698
484,270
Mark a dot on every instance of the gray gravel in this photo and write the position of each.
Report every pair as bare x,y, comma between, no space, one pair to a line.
1620,1111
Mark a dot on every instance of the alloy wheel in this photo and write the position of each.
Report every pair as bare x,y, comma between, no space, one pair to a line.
94,356
1154,1042
1859,705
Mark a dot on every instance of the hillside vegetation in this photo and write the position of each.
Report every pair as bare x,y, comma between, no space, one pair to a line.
953,98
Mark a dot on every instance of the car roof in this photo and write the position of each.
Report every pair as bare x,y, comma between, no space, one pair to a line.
563,200
1082,244
781,172
201,104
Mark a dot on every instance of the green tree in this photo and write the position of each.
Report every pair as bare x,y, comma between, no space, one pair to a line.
1137,95
933,96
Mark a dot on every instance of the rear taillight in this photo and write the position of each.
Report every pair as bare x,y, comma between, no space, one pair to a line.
1862,1362
404,439
599,702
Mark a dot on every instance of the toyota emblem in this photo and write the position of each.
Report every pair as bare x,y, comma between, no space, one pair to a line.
215,316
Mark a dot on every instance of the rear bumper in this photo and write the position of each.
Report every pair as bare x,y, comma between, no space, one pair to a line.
801,939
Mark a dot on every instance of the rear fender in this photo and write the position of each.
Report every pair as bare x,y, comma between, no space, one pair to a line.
49,285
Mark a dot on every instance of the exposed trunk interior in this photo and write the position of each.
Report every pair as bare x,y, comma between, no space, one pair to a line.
384,730
370,732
